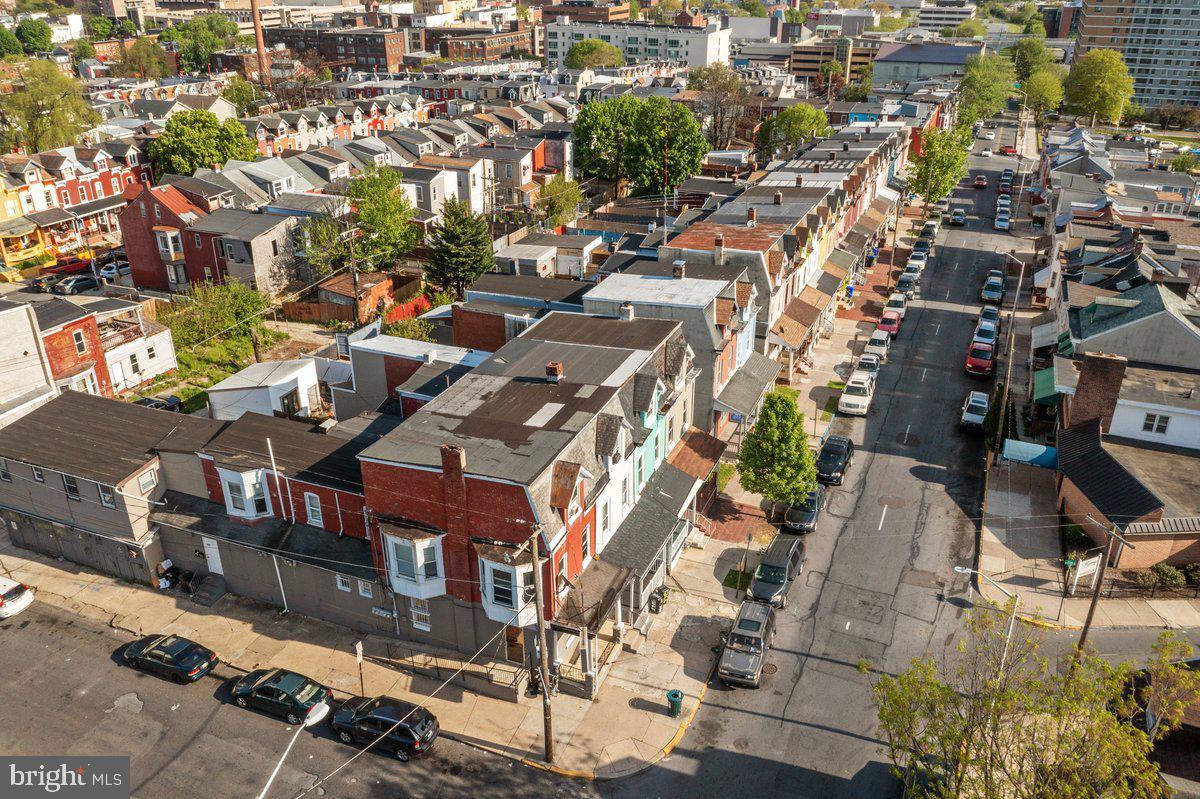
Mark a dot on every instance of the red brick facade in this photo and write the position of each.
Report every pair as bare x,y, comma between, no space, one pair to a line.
477,331
65,358
149,209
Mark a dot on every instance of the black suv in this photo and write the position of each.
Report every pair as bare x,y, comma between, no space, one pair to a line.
802,516
837,455
407,730
783,560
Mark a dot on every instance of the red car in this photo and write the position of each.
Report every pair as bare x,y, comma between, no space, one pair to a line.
1008,149
69,266
980,182
890,323
981,360
1004,188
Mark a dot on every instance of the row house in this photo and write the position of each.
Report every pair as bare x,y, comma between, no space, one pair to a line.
512,170
27,381
255,249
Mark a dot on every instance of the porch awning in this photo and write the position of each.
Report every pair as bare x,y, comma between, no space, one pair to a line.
50,217
1028,452
1044,392
644,534
1065,345
697,453
593,594
1044,335
406,531
748,385
84,210
497,553
840,261
21,226
1041,278
889,194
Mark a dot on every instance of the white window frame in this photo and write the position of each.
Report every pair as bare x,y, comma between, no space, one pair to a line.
1156,424
71,487
420,560
585,545
39,474
5,474
365,589
250,488
315,519
108,497
343,583
147,481
511,573
561,567
418,613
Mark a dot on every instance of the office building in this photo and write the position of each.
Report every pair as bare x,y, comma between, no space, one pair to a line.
1159,42
696,47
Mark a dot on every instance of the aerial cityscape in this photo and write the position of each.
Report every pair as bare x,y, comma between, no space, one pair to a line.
600,398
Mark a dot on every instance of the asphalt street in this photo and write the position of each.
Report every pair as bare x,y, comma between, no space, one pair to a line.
63,692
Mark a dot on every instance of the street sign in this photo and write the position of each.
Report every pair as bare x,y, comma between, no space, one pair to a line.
1087,567
358,652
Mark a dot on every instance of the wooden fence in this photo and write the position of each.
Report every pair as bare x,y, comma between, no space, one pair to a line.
317,312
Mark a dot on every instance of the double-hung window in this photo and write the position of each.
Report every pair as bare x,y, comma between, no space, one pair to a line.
70,486
503,588
416,561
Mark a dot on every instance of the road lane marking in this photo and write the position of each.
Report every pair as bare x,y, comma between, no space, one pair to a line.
923,373
906,429
882,516
937,328
847,625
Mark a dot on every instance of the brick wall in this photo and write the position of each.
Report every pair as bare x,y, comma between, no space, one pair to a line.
201,257
65,357
479,331
397,370
1076,507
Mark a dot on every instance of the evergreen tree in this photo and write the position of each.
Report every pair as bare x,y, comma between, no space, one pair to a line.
460,248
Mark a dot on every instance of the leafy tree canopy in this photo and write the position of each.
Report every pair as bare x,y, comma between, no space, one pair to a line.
624,139
9,44
775,459
593,53
1029,55
49,110
199,38
790,128
34,36
940,165
461,248
195,139
559,200
99,27
1043,91
242,93
143,59
1099,86
985,88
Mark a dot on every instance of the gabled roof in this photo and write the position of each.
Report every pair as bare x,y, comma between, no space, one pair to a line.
1108,485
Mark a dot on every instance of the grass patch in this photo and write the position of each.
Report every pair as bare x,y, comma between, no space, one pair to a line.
830,409
737,580
836,385
725,473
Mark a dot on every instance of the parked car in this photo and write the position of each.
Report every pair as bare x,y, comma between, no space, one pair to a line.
923,246
986,333
783,560
115,269
878,344
746,645
974,411
913,271
896,302
171,656
889,323
991,314
408,730
1141,128
1005,188
980,361
1003,220
986,152
990,135
802,516
834,460
14,597
908,285
169,403
71,265
1007,174
980,182
920,259
931,228
942,206
282,693
1004,203
992,291
856,396
1008,149
75,284
958,217
869,364
109,256
46,282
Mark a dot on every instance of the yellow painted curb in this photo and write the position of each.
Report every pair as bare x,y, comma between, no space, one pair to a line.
563,772
1049,625
678,736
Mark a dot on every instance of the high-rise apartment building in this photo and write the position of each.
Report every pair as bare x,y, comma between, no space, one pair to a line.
1160,40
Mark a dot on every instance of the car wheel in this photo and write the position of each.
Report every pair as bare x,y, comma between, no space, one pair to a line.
179,678
345,737
292,719
402,754
241,702
134,664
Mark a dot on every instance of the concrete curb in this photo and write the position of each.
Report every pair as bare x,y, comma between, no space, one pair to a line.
1047,625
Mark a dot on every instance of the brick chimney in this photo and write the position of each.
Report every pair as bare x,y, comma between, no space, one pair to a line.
833,156
678,269
719,248
817,169
626,312
1100,378
799,180
554,372
1158,275
454,484
751,216
845,149
778,198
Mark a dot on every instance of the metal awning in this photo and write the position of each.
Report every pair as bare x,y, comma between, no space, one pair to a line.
51,217
593,595
508,555
748,385
21,226
1065,345
1030,453
1044,391
84,210
1044,335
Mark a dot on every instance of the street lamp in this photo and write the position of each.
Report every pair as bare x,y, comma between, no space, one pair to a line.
1012,619
316,715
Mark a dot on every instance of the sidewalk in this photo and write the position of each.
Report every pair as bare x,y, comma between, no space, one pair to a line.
626,730
1019,548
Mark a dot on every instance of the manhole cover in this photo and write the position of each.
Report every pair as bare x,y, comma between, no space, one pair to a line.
770,668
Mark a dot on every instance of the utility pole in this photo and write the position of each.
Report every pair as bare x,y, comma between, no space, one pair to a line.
543,655
1113,535
1012,346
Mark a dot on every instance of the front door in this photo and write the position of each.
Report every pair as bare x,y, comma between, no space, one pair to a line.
212,554
514,644
117,373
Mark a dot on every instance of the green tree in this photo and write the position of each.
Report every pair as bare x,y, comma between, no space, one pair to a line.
48,110
460,248
1029,55
34,36
242,93
600,134
860,90
831,78
1186,163
793,15
195,139
199,38
325,244
227,311
775,459
663,127
753,8
790,128
890,24
124,28
1099,86
985,88
559,200
82,49
1043,91
412,327
994,717
143,59
664,11
593,54
323,75
1035,27
9,44
635,10
722,101
970,28
383,216
99,27
523,12
50,7
939,166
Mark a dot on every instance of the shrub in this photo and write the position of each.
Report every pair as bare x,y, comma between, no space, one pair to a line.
1192,572
1168,576
1074,538
1144,578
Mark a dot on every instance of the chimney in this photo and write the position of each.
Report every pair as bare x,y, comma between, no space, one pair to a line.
678,269
845,149
858,137
778,198
454,464
554,372
627,314
816,169
751,216
833,156
799,180
1158,275
431,356
1100,378
719,249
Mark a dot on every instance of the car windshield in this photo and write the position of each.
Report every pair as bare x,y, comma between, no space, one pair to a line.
13,593
896,302
831,456
981,354
855,390
879,338
985,333
808,504
775,575
993,285
743,643
977,408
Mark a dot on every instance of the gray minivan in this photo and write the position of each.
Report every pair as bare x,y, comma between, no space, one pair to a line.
746,645
782,561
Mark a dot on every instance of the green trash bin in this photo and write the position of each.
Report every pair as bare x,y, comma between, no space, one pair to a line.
675,703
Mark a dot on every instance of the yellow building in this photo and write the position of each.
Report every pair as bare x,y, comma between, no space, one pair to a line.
453,7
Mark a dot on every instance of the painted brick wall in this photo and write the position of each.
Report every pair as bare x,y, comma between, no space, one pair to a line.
478,331
65,358
146,266
201,256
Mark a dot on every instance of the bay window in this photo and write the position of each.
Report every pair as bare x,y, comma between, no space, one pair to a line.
416,566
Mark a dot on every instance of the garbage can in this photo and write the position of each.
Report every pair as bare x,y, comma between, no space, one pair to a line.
675,703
